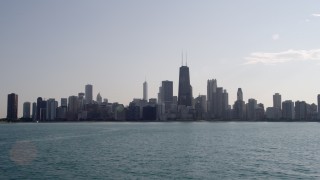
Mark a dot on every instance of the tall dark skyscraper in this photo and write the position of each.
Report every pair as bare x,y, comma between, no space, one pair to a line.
39,105
12,107
185,89
88,94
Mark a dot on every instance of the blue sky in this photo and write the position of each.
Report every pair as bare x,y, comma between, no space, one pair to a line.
53,48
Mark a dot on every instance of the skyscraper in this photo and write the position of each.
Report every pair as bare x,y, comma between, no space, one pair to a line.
300,109
12,107
167,94
288,110
277,100
219,102
34,111
64,102
145,91
88,94
72,108
318,106
239,106
26,109
99,98
225,100
239,95
211,90
251,109
52,105
39,104
185,89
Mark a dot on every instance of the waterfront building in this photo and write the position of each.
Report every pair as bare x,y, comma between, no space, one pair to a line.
64,102
318,106
39,105
239,106
43,110
34,111
72,108
251,109
300,110
201,107
26,110
12,106
185,89
288,110
88,94
277,100
51,113
211,90
145,91
167,94
99,99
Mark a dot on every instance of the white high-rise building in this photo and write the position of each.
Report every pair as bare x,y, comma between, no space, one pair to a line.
88,94
26,109
145,91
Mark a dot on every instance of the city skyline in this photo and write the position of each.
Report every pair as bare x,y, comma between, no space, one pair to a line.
213,106
263,47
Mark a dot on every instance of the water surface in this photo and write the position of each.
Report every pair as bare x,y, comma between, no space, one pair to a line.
160,150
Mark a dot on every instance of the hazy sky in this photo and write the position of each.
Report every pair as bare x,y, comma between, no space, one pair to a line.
54,48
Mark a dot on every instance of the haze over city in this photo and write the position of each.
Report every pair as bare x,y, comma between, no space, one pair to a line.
52,49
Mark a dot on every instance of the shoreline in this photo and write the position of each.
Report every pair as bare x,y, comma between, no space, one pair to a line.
141,121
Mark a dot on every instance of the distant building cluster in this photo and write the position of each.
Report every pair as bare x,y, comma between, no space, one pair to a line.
213,106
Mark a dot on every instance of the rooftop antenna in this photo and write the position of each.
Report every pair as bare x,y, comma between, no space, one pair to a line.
186,58
182,58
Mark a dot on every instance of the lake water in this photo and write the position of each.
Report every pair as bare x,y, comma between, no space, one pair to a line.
197,150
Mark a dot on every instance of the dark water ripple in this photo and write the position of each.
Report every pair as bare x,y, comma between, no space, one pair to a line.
160,151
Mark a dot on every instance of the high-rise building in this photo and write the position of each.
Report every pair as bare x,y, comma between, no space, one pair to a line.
99,99
81,101
39,105
211,90
185,89
26,109
145,91
34,111
225,100
167,94
43,110
251,109
277,100
72,108
12,107
300,109
88,94
218,102
239,106
288,110
239,94
318,106
51,113
64,102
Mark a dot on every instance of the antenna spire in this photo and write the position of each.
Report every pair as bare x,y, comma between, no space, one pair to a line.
182,58
186,58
